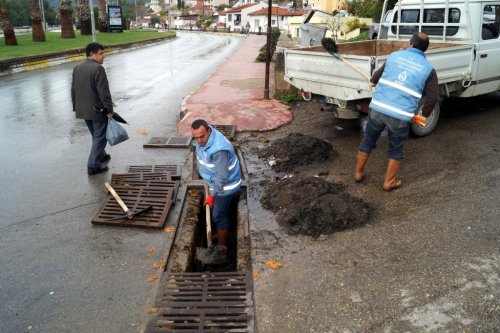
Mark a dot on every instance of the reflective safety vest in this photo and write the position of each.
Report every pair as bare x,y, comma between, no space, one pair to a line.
399,90
204,155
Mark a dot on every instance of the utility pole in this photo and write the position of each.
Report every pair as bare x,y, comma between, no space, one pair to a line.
268,49
135,7
40,3
92,20
168,14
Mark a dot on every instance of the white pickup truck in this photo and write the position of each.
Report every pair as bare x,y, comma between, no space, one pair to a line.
464,50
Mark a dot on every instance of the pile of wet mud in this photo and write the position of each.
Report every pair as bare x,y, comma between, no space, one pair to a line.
313,206
296,150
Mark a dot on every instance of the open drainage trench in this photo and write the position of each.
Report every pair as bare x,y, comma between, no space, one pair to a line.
197,297
194,297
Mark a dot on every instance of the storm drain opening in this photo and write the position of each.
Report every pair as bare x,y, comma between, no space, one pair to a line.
192,235
194,297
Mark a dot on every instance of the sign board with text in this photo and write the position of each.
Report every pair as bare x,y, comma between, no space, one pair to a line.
115,19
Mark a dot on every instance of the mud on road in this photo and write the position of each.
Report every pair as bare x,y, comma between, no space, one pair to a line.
423,258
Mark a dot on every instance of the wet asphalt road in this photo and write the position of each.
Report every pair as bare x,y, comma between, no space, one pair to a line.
58,272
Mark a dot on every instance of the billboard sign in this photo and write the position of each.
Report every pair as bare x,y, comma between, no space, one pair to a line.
115,18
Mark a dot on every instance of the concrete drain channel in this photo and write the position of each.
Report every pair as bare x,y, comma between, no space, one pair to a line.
193,297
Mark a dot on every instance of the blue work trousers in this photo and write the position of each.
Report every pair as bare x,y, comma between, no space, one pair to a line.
98,131
220,212
398,131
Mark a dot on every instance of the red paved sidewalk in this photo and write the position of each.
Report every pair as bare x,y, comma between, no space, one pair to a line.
233,95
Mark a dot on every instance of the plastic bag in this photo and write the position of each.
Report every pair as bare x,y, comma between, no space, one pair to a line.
115,133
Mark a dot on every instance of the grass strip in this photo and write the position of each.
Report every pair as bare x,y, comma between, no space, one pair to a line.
54,43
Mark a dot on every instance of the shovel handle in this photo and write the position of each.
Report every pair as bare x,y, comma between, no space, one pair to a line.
208,219
356,69
118,199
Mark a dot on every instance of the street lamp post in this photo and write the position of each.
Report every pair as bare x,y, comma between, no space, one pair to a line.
92,20
40,3
268,49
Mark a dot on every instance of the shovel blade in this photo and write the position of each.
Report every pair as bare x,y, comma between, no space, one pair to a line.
131,214
213,255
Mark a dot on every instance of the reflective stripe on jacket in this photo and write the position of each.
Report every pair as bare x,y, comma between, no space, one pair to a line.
400,88
204,155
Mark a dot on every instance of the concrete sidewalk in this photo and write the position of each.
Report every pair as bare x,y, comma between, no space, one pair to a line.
233,95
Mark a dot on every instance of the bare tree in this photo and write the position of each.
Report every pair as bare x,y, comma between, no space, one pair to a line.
83,13
6,25
336,24
66,11
103,16
36,22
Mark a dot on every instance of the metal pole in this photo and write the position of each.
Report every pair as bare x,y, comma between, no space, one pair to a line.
92,20
168,16
44,25
135,7
268,49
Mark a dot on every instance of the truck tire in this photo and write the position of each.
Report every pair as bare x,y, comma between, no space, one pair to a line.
432,121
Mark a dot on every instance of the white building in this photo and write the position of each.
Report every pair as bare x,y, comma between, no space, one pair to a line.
280,18
237,17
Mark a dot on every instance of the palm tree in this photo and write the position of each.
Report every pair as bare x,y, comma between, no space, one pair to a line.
66,23
6,25
36,22
84,17
103,16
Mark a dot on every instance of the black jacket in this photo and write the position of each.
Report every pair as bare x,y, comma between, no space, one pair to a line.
90,89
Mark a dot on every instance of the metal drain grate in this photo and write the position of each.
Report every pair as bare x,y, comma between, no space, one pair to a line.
168,142
137,198
228,130
118,178
204,302
174,170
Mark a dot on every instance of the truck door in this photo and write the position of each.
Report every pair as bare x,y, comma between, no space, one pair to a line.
488,53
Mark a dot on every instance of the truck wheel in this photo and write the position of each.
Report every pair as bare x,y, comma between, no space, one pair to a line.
431,122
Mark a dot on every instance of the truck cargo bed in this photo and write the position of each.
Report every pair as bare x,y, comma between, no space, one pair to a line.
314,70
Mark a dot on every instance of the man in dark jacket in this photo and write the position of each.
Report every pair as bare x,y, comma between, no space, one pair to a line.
401,82
90,92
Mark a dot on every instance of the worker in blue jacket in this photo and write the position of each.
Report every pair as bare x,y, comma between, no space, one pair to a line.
219,166
400,83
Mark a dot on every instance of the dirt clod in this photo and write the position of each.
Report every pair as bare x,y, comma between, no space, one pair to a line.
297,150
313,206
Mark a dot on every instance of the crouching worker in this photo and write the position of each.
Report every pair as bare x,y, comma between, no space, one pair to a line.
219,166
401,82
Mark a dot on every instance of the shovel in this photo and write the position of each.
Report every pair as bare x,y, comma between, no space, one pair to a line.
128,213
331,46
209,255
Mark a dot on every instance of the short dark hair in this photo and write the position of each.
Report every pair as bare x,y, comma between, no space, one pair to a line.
199,122
93,48
420,41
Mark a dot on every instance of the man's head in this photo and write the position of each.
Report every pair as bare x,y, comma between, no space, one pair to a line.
95,51
420,41
200,131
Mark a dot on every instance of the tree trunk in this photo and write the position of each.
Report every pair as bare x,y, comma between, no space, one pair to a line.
66,11
103,16
84,18
6,25
36,22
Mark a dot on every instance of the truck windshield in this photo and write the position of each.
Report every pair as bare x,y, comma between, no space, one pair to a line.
433,15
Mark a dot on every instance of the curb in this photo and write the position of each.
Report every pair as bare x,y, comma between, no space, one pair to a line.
18,65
